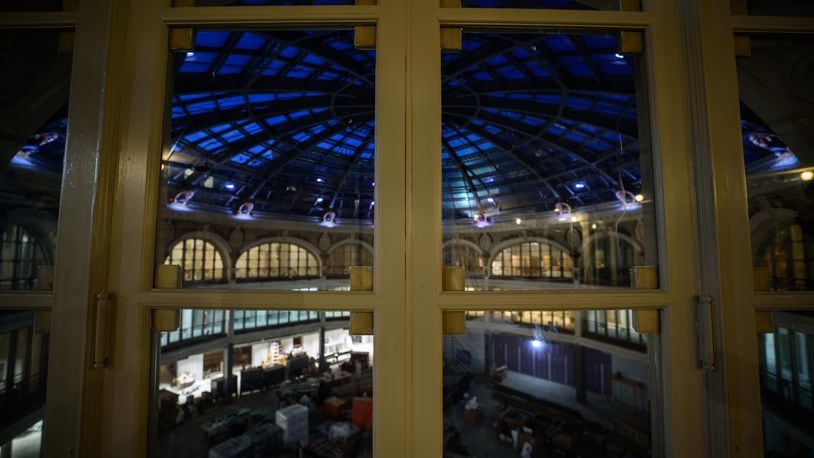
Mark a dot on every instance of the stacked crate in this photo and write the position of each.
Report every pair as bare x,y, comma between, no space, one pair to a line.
293,420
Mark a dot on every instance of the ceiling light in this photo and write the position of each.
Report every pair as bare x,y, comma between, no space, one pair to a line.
579,185
638,198
619,56
229,186
518,221
190,54
319,200
593,226
808,175
320,180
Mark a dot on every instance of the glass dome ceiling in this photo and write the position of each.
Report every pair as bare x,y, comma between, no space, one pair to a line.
285,120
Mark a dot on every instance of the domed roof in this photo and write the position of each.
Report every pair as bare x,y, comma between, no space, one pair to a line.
285,120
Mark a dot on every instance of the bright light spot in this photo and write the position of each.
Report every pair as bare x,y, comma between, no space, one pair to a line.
593,226
373,184
229,186
808,175
562,218
638,198
320,180
319,199
244,216
536,344
491,200
556,209
188,172
573,219
209,182
190,54
518,221
619,56
579,185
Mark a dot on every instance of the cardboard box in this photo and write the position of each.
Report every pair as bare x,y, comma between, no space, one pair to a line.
334,407
472,417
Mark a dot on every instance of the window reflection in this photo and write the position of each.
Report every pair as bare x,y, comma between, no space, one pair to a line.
35,78
23,380
786,387
547,171
777,113
20,259
537,383
270,159
285,383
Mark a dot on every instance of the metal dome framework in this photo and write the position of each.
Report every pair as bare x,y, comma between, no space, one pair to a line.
284,119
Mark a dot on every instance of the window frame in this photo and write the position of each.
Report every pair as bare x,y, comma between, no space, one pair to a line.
408,298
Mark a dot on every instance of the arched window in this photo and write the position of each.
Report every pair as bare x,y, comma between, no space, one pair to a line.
20,257
789,260
342,258
200,259
532,259
462,255
610,258
276,261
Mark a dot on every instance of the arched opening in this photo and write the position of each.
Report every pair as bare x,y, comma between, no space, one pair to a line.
788,255
276,261
20,257
464,255
610,257
201,261
532,260
343,257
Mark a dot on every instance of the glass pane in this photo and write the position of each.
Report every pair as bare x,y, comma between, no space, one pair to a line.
545,4
513,389
271,2
35,76
268,171
547,171
23,373
777,111
785,385
774,7
303,386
